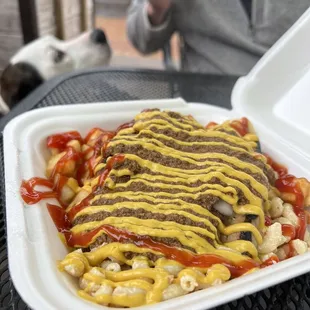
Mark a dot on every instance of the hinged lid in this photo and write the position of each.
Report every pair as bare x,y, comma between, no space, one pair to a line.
275,95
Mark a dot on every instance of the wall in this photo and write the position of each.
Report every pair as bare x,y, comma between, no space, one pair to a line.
62,18
46,18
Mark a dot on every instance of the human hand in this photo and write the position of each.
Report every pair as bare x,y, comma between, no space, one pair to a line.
160,5
157,10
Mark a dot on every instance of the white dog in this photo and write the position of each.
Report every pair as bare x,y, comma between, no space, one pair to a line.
48,57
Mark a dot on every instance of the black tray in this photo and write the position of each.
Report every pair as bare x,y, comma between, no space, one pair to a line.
113,85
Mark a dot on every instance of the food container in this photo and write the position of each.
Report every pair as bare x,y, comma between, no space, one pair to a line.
274,96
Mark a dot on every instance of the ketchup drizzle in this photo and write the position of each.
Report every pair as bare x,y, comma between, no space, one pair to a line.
125,126
71,154
59,141
183,257
211,125
100,144
270,261
59,217
31,196
280,169
241,126
289,231
85,202
287,183
268,221
63,220
291,250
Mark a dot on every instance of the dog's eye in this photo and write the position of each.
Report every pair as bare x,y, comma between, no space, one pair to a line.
57,55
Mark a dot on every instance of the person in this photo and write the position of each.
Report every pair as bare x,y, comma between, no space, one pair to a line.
220,36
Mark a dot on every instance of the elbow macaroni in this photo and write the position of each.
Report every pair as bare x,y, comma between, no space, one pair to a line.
188,283
173,291
276,207
272,239
141,284
115,267
140,263
289,214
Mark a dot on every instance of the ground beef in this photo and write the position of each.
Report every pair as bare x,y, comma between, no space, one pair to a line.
152,257
134,167
100,241
158,117
204,200
181,119
168,161
196,148
140,214
173,242
186,137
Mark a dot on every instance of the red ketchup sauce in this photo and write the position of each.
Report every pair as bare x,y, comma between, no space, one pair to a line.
100,144
31,196
63,220
289,184
185,258
289,231
307,214
268,221
71,155
242,126
291,250
59,141
280,169
57,180
211,125
125,126
85,202
270,261
90,133
59,217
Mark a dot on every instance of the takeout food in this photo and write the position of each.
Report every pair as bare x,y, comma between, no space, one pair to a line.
163,206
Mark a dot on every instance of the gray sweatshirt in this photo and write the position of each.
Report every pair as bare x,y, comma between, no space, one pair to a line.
219,37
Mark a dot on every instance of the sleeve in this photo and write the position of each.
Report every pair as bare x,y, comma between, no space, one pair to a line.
145,37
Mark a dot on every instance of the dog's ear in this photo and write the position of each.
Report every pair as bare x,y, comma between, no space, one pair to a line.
17,81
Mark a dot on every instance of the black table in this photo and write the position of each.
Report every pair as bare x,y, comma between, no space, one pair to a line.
112,85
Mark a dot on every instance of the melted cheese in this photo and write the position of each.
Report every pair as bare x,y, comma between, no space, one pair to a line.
131,279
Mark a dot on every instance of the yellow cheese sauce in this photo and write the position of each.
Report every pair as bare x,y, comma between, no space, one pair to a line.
165,189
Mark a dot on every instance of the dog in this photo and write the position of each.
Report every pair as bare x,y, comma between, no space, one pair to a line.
47,57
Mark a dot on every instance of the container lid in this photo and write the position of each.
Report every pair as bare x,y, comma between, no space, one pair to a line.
275,95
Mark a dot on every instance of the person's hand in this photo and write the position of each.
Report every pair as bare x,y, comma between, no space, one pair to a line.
160,5
157,10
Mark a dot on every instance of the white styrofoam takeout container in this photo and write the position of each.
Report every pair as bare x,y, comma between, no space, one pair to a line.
274,96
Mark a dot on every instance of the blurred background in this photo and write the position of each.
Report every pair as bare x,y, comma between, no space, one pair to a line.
21,21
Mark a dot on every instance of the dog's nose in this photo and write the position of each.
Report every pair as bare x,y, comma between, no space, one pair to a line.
98,36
